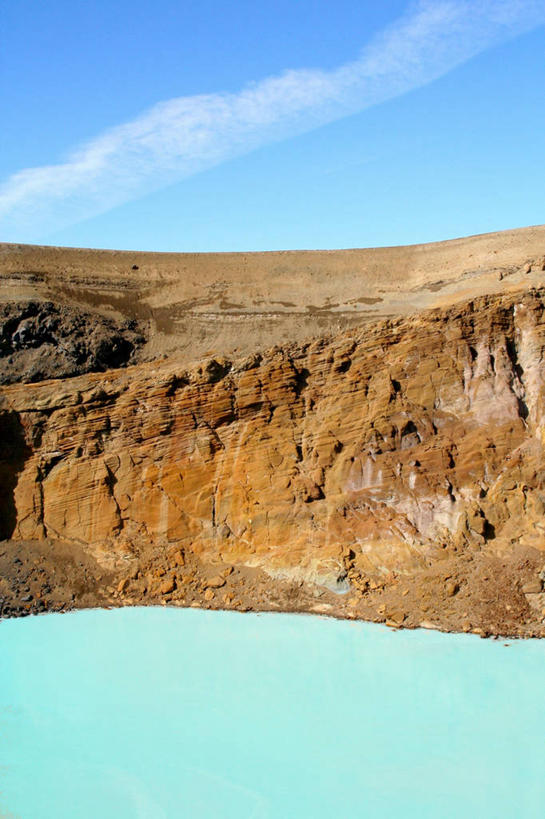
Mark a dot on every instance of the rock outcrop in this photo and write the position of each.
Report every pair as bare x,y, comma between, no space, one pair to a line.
400,462
40,340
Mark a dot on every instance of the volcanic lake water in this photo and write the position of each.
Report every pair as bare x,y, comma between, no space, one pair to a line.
153,713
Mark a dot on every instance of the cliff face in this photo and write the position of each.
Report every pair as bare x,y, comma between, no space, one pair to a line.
413,436
357,461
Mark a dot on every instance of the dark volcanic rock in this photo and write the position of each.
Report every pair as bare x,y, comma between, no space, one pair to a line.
39,340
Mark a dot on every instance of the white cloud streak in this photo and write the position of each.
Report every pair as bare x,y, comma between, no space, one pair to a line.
183,136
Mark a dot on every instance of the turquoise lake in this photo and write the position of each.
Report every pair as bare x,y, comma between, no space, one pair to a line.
156,712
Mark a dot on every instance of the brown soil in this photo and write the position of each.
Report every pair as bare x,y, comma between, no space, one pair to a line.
195,304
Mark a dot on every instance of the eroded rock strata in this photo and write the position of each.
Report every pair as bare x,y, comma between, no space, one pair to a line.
393,473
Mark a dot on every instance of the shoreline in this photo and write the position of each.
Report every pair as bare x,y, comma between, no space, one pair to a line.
41,577
288,612
349,618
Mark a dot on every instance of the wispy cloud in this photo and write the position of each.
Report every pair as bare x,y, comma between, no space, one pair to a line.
183,136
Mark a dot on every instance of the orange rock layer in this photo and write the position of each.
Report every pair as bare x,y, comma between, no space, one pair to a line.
387,445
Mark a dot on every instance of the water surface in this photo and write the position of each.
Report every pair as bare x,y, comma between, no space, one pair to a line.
154,713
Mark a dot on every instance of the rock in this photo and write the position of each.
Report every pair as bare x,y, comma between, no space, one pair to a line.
209,595
311,492
322,608
452,588
215,582
177,557
52,341
123,584
168,585
395,616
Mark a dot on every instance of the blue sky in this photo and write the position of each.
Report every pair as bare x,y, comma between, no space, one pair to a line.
269,125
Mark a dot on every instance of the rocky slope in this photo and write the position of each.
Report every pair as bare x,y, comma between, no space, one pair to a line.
392,472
